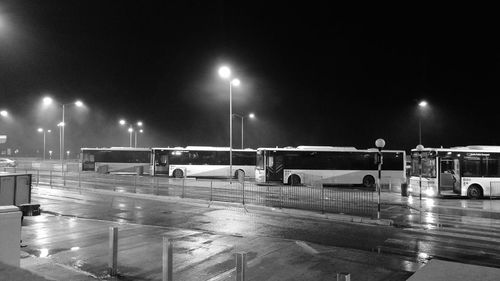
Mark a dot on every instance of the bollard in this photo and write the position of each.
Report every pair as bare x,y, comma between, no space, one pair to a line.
50,178
183,183
167,262
37,177
211,192
241,266
343,276
243,187
113,250
322,199
135,184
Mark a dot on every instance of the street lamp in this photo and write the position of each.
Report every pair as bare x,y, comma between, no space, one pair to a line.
4,113
379,143
77,103
41,130
421,105
251,116
420,148
131,130
225,73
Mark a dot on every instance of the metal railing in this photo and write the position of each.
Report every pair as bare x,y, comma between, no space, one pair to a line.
315,198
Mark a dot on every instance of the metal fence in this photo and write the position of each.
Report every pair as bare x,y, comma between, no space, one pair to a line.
316,198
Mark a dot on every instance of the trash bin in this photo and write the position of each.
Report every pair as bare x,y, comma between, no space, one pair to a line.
404,189
139,170
10,235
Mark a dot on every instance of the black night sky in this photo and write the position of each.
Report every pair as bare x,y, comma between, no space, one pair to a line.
313,75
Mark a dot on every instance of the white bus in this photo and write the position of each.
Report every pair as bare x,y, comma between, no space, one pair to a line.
203,161
328,165
116,159
472,171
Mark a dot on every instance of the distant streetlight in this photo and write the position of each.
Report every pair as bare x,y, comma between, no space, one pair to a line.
48,101
4,113
225,73
421,105
41,130
131,129
251,116
379,143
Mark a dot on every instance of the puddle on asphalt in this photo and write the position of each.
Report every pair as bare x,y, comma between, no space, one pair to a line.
44,252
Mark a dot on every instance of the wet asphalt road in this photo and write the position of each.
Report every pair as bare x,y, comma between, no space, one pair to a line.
445,229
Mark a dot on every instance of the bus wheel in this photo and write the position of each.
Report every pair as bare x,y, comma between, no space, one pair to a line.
294,180
178,174
240,175
474,192
368,181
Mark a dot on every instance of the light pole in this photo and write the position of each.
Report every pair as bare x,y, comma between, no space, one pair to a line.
131,130
379,143
225,73
41,130
421,105
419,149
251,116
78,103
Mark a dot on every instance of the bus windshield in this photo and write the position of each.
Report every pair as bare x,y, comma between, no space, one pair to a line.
428,165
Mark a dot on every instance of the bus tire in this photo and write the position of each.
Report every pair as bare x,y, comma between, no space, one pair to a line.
240,175
368,181
294,180
475,192
178,173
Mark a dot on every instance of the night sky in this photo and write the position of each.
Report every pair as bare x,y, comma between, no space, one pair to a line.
313,75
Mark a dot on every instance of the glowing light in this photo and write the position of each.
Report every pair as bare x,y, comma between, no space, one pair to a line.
430,192
130,130
44,253
139,123
40,130
251,115
75,248
235,82
422,104
122,122
4,113
224,72
79,103
47,100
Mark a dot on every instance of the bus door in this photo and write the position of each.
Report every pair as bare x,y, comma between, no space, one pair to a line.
449,175
161,162
88,162
275,167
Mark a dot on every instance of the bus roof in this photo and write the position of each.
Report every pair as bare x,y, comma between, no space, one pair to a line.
203,148
324,148
117,148
469,148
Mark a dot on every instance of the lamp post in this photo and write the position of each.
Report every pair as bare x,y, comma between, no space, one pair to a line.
379,143
41,130
419,149
421,105
251,116
225,73
78,103
131,130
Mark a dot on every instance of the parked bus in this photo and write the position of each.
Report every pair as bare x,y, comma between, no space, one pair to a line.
328,165
116,159
472,171
203,161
